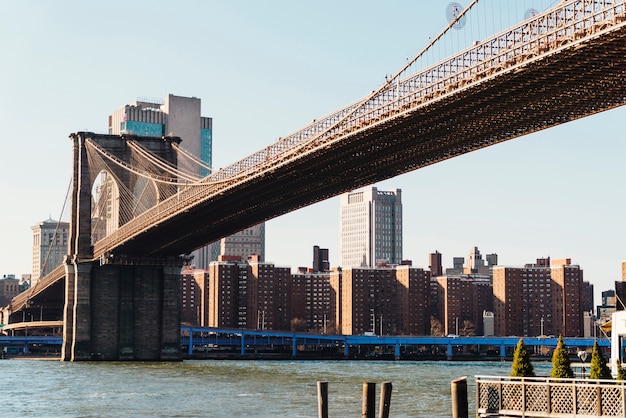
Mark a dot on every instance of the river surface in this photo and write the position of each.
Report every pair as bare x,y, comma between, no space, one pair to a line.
226,388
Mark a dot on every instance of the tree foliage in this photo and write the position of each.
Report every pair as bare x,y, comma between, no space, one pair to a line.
522,367
468,329
436,328
561,364
621,371
599,369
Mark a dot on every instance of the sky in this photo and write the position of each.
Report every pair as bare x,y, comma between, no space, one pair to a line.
266,69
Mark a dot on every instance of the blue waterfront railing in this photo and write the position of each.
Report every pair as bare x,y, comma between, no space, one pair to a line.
215,339
219,337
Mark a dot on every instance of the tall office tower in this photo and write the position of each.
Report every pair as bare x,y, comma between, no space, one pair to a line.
434,264
180,116
312,302
475,263
176,116
385,301
371,228
49,247
246,243
457,266
474,260
320,259
540,298
492,260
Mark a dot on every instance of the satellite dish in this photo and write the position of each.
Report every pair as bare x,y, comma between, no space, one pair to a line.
530,13
453,10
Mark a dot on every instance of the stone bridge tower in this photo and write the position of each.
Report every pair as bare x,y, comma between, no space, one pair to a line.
125,307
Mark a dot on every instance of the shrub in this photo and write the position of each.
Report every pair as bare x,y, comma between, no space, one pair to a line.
561,365
599,369
522,367
621,371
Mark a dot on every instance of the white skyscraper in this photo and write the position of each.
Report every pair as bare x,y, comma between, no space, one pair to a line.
371,228
49,247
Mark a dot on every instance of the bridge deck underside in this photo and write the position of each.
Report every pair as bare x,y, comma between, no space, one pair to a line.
544,92
576,81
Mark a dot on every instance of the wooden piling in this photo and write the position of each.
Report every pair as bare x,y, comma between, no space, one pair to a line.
322,399
369,400
385,400
459,398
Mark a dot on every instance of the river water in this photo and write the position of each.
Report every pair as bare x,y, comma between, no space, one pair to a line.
226,388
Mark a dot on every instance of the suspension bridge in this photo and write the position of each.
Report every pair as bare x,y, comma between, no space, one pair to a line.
556,66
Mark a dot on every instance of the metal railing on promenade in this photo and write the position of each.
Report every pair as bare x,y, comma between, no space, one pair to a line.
547,397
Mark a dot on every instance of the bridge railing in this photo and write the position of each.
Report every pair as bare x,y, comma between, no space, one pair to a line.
546,397
568,22
545,32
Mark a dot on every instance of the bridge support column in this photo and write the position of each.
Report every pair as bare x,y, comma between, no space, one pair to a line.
77,312
123,311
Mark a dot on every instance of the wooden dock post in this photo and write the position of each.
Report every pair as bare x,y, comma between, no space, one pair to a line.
322,399
369,400
385,400
459,398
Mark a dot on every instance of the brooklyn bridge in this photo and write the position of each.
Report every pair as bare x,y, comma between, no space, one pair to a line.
117,292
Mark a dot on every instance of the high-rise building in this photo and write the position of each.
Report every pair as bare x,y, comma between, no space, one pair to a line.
312,302
9,288
268,296
383,301
228,306
371,228
568,294
541,298
457,266
246,243
194,290
475,263
434,264
180,116
462,301
320,259
175,116
49,247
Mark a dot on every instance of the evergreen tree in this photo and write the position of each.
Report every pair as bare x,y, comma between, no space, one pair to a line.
621,371
561,365
522,367
599,369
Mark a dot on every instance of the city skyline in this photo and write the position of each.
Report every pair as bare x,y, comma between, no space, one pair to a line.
264,71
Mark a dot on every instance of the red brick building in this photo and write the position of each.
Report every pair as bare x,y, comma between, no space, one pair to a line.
541,298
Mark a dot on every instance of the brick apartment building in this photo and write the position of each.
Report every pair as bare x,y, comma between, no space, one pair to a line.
541,298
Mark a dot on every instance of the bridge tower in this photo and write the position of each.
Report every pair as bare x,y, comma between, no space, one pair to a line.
120,306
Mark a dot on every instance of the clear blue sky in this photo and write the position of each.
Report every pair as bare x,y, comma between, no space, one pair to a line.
264,69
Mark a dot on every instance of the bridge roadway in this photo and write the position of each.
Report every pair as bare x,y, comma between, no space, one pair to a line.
535,79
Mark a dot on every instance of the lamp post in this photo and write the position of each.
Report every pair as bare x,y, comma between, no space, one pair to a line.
582,355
